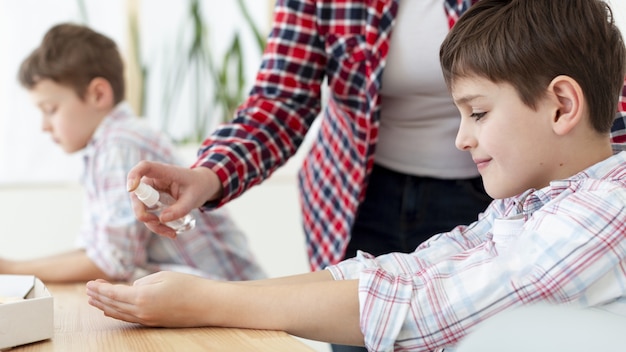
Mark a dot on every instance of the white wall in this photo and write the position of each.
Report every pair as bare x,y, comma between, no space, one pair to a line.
619,11
22,26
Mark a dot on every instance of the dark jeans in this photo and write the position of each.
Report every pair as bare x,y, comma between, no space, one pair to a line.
401,211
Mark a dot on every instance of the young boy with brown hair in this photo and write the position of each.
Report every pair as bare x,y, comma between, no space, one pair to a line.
76,78
537,84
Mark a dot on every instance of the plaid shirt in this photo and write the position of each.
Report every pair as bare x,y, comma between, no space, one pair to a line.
618,132
345,42
124,247
563,244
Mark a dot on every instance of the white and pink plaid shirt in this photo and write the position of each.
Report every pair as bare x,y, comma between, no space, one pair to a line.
563,244
122,246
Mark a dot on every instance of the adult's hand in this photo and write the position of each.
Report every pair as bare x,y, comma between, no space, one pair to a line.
190,187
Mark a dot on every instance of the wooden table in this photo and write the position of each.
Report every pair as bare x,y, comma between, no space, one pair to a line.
81,327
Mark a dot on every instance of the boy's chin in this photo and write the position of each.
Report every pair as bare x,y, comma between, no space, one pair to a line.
71,150
499,191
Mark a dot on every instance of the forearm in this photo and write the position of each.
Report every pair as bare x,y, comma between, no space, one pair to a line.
312,305
301,309
72,266
322,275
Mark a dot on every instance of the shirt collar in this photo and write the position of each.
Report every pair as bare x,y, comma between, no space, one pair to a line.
120,112
609,169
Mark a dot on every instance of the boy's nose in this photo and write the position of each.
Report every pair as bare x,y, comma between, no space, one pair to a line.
45,125
464,139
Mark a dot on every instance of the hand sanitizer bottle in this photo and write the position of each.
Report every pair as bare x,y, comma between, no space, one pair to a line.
157,201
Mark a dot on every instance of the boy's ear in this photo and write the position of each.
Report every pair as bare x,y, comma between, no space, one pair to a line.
100,93
569,104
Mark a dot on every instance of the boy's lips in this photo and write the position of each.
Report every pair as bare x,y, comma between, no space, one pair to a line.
482,162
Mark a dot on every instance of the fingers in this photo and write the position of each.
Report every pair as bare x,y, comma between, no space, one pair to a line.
120,296
116,301
141,212
191,188
161,229
148,169
135,304
167,299
151,220
113,312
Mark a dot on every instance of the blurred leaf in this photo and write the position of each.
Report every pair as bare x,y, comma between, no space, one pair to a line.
196,64
82,9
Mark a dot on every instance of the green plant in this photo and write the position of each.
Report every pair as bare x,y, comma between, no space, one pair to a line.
135,60
195,66
82,10
198,67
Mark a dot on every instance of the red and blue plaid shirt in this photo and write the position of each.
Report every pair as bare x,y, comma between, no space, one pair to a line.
345,42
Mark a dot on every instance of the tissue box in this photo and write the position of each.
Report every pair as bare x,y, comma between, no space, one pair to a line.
28,316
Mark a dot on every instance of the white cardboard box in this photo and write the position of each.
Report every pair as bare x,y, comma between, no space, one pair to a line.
28,320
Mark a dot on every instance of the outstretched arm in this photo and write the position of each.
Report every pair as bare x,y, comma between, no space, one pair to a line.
73,266
300,305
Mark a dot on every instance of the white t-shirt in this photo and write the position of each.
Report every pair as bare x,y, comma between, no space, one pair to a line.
419,121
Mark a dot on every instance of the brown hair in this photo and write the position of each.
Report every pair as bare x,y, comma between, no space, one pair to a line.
73,55
527,43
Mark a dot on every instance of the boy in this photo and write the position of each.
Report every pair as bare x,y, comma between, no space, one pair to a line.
75,77
536,82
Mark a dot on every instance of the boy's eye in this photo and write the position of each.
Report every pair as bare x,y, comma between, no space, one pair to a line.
49,111
477,115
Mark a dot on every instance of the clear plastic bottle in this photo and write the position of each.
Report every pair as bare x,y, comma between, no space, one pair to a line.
157,201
